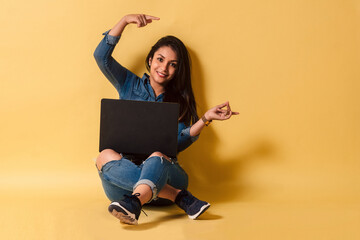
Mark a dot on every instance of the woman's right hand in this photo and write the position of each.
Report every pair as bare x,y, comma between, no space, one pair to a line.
140,19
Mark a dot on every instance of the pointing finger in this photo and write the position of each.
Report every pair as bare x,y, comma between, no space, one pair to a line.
148,17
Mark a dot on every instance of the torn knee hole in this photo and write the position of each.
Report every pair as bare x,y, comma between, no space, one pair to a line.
161,155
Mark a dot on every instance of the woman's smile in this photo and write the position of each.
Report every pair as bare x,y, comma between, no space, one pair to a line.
163,75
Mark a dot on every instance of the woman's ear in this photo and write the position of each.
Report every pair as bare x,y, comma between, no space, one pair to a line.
150,60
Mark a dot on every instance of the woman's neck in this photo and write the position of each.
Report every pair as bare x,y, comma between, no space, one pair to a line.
158,89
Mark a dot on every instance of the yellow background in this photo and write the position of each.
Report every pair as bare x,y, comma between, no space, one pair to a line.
286,168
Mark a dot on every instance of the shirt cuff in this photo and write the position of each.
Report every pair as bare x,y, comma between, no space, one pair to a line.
111,40
186,132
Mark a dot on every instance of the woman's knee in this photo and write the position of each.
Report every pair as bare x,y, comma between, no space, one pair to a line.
159,154
105,156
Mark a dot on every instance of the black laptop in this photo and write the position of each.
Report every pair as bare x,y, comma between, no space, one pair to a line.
139,128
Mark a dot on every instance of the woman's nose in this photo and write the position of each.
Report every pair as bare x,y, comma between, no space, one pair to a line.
165,66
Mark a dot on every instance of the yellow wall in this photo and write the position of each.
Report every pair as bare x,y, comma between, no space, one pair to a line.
291,68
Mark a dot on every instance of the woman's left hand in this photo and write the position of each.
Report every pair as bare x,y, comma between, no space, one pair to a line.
220,112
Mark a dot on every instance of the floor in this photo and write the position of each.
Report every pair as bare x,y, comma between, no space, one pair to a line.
76,208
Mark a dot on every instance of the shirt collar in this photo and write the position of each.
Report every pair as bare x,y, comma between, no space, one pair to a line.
146,80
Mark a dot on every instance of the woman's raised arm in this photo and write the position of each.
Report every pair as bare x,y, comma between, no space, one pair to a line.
115,72
140,19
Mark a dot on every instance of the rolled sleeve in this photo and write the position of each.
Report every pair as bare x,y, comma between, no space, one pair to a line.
111,40
184,137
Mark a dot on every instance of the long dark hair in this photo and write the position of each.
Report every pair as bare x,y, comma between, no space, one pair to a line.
179,89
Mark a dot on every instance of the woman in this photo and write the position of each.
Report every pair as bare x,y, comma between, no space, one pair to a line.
129,182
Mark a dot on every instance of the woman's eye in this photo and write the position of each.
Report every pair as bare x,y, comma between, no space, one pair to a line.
173,65
160,59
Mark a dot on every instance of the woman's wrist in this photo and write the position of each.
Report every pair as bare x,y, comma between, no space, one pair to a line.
125,19
206,115
118,29
206,119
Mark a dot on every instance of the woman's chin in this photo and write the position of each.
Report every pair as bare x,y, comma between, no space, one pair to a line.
162,82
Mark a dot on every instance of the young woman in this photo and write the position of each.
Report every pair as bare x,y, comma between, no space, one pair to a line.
130,182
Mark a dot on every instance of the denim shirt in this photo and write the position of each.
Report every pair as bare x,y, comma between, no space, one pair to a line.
132,87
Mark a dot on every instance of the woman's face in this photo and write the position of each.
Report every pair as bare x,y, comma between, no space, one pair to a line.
163,65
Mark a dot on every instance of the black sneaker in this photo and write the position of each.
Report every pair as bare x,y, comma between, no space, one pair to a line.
190,204
127,210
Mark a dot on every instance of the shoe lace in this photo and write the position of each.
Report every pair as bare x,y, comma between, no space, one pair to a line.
144,212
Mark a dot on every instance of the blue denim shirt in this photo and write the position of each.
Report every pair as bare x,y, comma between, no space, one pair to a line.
132,87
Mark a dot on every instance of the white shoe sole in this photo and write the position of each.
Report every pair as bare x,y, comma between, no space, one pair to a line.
202,210
124,217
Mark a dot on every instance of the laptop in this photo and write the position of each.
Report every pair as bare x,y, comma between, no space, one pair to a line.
139,128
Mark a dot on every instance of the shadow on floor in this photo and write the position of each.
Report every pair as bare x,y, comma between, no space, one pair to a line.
172,213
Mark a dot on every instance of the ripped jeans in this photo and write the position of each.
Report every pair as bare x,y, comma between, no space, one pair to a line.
120,177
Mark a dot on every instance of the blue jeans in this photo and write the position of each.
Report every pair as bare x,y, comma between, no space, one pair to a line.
120,177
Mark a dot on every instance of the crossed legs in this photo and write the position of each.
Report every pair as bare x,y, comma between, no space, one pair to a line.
129,186
143,191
